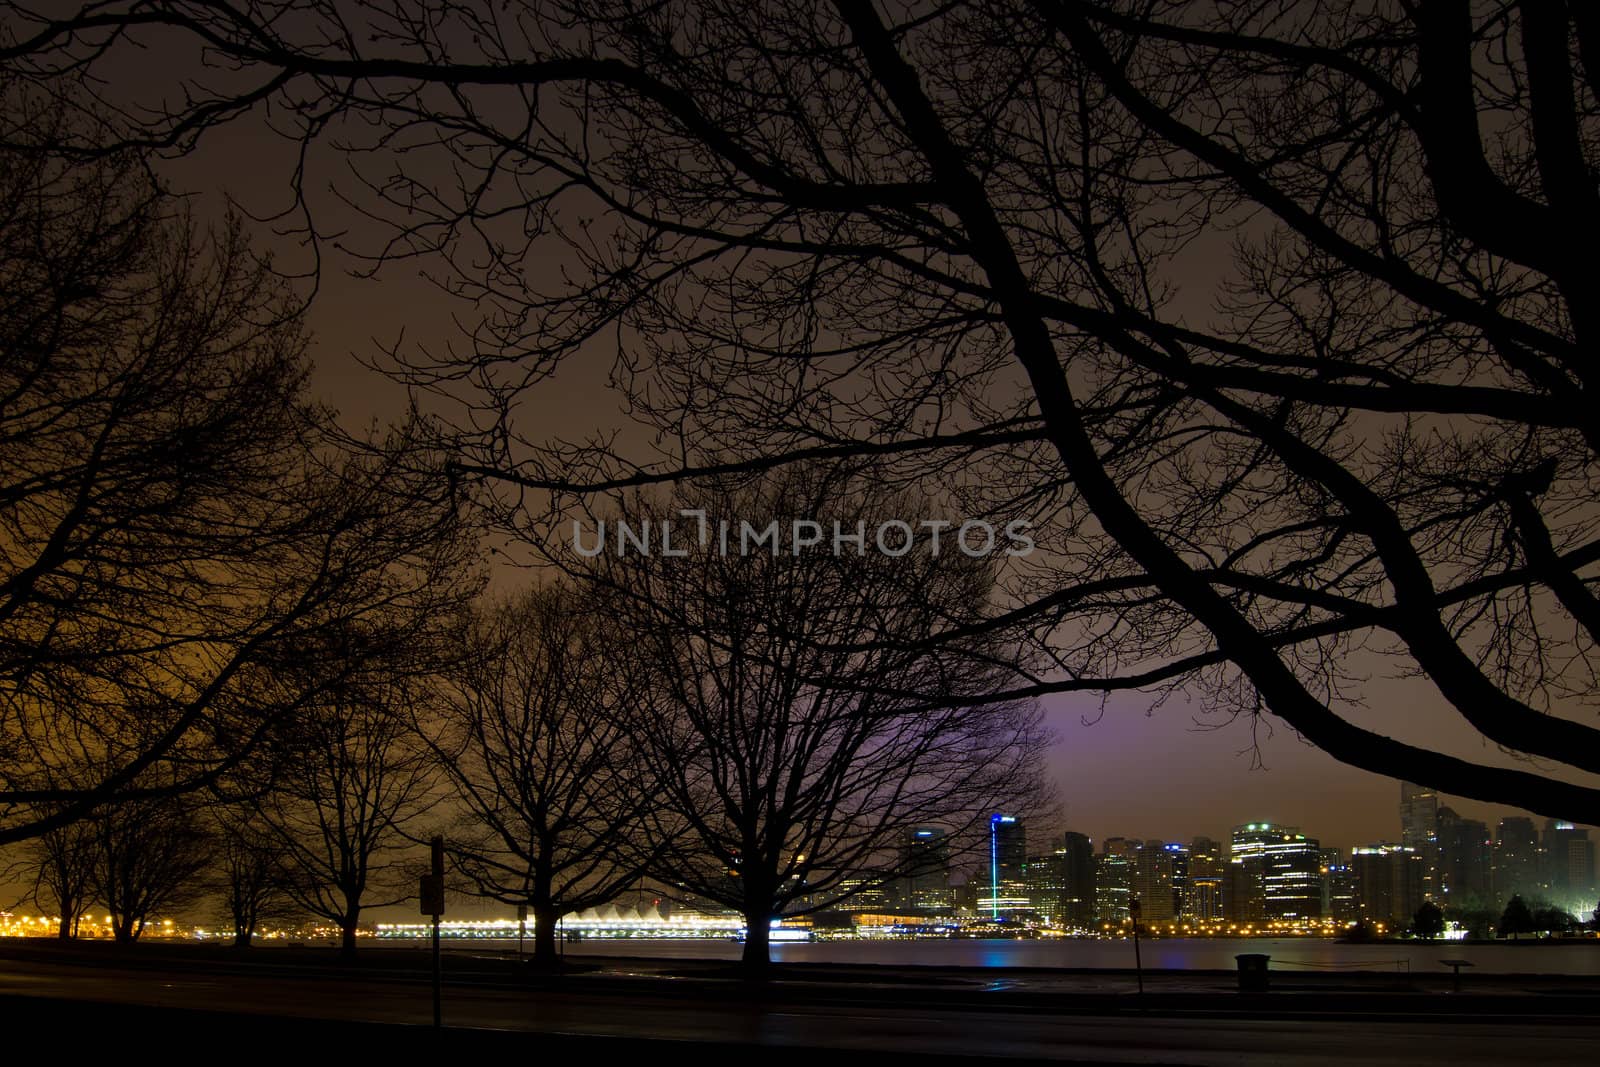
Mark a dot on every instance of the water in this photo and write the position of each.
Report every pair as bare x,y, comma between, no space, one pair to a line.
1289,954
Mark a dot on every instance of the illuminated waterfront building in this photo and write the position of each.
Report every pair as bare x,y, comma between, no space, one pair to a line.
1207,878
1419,831
1161,875
1279,866
1046,877
1006,892
926,887
1339,900
1568,856
1389,881
867,893
1204,899
1113,880
1061,883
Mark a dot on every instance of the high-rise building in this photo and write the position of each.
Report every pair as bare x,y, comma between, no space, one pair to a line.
1006,895
1338,888
1046,879
1206,858
1207,870
1516,860
1465,859
1113,881
1388,883
1061,883
1161,874
1285,864
1078,900
1568,856
926,887
1419,831
1244,891
1419,815
868,893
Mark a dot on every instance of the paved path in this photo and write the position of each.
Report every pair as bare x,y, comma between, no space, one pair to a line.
867,1025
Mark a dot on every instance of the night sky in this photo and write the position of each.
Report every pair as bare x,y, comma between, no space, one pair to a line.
1134,771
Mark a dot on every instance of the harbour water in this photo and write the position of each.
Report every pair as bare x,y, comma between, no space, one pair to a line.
1288,954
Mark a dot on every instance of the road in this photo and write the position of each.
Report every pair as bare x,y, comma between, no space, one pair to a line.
860,1025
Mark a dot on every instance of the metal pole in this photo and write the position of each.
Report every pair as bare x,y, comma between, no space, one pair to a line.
438,981
438,1006
1138,964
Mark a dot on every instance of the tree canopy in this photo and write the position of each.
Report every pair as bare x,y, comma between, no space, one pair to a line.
1276,317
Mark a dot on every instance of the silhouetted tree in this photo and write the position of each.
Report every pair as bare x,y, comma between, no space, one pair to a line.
1428,922
533,732
148,858
63,860
1549,918
1517,919
248,876
794,729
1289,353
354,775
1479,921
174,512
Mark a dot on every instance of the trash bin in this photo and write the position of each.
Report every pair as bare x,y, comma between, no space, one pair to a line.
1252,972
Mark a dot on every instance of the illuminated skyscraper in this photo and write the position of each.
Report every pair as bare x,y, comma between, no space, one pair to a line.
1338,888
926,887
1419,816
1161,874
1061,883
1419,831
1207,877
1285,864
1007,891
1569,867
1113,880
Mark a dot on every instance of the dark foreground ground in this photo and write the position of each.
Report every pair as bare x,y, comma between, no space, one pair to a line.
187,1002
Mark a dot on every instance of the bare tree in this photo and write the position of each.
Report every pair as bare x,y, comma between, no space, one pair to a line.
248,876
63,860
796,723
1276,316
532,732
148,858
354,775
174,511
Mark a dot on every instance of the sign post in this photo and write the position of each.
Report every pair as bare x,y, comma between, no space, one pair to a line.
1138,965
431,893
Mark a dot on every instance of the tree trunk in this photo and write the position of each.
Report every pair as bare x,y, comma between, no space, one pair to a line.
545,918
241,937
124,930
347,936
757,958
69,926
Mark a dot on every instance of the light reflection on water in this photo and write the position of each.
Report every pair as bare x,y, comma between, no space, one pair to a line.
1288,954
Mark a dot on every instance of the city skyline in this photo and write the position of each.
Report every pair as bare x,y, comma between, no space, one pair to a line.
1097,769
